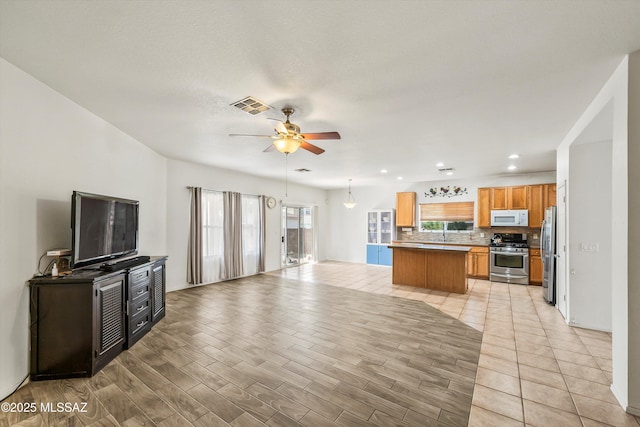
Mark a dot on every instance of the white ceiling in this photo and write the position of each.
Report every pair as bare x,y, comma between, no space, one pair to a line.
406,83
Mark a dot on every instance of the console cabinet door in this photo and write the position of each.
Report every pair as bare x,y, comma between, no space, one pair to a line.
158,278
110,316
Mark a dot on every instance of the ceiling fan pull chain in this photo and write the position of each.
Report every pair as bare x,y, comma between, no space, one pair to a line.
286,175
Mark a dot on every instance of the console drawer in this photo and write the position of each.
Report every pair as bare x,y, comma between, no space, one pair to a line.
140,292
139,275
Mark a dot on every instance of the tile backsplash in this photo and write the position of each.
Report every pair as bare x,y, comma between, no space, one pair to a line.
473,238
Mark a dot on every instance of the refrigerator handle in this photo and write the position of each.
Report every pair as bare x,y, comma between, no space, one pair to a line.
542,240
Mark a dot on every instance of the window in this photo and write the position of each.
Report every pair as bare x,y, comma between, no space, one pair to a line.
446,217
212,235
250,233
213,244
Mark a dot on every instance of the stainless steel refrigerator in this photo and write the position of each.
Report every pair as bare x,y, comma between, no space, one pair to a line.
548,254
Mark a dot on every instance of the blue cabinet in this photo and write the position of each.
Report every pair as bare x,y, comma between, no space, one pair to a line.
381,230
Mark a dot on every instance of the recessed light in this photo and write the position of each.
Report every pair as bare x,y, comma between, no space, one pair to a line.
514,156
512,167
439,164
449,173
383,171
400,178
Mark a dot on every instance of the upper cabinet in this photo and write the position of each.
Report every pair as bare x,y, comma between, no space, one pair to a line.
406,209
509,198
517,197
498,198
549,194
535,198
484,207
536,205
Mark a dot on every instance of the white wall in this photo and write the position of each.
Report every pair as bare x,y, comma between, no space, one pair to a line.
633,192
49,146
180,175
623,91
347,234
590,236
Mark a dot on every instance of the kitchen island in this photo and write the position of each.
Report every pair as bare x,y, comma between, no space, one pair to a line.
438,267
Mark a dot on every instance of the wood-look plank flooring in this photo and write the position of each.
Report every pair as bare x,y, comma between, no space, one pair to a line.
270,350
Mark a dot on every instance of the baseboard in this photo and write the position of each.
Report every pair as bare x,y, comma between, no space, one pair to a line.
8,391
633,411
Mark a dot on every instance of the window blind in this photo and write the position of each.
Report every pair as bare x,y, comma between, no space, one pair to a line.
454,211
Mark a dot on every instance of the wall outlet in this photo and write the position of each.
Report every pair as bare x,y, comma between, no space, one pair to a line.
589,247
481,234
535,236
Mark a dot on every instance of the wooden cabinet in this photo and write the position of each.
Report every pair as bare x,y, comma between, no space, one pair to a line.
540,197
138,303
536,205
81,321
77,325
509,197
535,198
406,209
535,267
517,197
499,198
430,267
478,262
484,208
158,288
549,195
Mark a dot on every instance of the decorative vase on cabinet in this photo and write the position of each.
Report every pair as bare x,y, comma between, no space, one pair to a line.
380,234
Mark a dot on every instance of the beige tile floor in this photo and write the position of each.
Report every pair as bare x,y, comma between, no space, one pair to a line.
534,369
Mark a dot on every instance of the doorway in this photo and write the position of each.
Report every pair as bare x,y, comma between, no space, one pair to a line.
298,242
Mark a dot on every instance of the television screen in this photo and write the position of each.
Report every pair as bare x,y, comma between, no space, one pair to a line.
103,228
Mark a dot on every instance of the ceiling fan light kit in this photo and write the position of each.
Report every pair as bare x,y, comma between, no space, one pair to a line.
287,144
287,138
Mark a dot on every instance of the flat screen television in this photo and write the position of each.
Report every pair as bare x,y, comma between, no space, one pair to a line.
102,228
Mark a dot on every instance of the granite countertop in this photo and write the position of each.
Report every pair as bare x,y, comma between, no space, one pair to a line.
454,248
440,243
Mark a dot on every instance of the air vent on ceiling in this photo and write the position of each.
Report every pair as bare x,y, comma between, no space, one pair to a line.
447,171
303,170
251,105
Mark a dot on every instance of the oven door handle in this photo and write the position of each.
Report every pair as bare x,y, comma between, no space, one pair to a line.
526,254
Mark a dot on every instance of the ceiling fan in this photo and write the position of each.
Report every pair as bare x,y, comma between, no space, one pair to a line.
287,138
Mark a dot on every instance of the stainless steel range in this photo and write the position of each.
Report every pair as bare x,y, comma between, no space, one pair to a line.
509,258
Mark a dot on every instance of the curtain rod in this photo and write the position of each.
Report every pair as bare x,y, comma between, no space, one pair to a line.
189,187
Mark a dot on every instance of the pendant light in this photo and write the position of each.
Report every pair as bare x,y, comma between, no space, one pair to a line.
350,203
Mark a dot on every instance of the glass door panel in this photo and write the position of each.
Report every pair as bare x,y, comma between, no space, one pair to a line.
385,227
372,220
297,241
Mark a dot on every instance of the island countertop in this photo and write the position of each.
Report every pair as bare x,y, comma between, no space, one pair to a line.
430,246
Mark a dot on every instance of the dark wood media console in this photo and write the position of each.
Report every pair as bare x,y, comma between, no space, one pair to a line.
81,321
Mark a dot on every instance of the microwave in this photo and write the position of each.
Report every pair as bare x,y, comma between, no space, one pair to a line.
510,218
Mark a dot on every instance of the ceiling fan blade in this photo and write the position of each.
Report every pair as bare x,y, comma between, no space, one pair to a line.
321,135
271,147
310,147
244,134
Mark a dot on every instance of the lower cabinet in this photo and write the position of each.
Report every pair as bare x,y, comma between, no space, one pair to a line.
81,321
535,267
478,262
379,254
